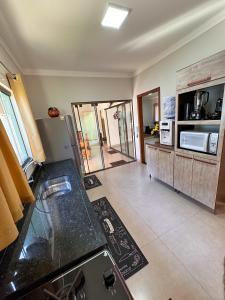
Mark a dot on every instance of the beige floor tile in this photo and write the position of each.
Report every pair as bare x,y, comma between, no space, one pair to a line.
201,248
213,219
164,277
139,230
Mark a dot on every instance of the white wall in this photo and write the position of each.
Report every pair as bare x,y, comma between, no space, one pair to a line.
45,91
163,74
148,110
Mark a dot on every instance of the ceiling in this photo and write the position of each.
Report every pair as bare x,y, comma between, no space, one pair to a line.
66,37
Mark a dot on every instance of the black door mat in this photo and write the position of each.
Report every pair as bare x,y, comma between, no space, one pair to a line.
125,251
91,182
112,151
118,163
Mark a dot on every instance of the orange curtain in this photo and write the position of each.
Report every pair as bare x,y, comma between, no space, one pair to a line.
14,190
27,117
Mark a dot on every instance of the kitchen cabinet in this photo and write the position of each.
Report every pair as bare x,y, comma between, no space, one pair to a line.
201,175
205,180
206,70
160,163
165,166
183,173
152,160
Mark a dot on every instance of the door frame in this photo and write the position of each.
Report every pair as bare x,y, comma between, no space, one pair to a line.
140,119
95,103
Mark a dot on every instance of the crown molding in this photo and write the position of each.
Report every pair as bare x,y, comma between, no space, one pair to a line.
212,22
61,73
11,56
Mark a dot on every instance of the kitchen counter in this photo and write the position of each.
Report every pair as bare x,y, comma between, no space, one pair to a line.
56,235
161,146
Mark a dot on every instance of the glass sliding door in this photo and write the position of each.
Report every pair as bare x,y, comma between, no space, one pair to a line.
123,128
120,127
130,129
113,128
89,137
101,128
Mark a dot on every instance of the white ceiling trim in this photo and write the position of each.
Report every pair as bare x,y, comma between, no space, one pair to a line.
218,18
60,73
11,56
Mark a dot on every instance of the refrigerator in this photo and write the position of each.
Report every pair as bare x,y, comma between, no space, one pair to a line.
60,141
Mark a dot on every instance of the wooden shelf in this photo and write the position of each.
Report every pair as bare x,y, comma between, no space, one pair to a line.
199,122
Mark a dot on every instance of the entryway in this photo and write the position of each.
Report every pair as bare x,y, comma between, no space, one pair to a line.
105,133
148,105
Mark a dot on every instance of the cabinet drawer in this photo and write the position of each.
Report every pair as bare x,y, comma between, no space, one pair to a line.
165,166
183,173
204,183
210,68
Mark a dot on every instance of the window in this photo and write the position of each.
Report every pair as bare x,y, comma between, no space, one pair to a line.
11,119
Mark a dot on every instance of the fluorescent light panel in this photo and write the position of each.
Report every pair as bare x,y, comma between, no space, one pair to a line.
115,16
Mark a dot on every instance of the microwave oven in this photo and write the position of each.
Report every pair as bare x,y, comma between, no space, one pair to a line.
199,141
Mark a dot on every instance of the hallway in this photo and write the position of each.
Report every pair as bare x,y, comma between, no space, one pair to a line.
102,127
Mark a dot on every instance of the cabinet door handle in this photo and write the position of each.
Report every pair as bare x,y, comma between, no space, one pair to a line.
199,81
166,151
205,162
151,147
183,156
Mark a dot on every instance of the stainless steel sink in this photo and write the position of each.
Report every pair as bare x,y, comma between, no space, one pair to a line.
55,187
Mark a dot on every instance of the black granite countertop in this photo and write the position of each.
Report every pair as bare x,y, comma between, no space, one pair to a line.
56,234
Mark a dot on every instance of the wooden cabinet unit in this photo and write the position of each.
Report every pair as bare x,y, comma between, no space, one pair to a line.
205,181
183,173
204,71
200,175
160,163
152,161
165,166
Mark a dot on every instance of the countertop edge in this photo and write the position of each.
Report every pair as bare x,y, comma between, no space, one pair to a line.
161,146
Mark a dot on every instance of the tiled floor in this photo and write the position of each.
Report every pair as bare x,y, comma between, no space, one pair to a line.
95,161
184,243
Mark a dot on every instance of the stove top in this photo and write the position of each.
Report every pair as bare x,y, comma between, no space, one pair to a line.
96,279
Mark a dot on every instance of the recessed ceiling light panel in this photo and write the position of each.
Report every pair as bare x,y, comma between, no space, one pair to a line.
114,16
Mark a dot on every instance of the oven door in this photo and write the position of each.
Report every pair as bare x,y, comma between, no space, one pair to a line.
193,140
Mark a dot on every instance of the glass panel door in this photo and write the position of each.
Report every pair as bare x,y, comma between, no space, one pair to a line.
122,128
113,128
102,128
89,137
130,130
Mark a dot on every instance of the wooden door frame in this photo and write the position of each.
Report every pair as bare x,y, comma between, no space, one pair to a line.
140,119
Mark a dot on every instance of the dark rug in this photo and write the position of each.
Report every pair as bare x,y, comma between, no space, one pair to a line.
118,163
112,151
91,182
125,251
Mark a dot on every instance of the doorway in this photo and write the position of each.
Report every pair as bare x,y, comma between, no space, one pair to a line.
148,105
105,133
